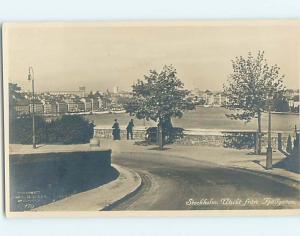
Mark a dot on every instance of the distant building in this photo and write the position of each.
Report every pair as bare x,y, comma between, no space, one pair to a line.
224,100
96,104
61,107
82,90
22,107
116,89
79,93
291,103
88,104
80,106
50,108
217,99
296,104
38,107
72,105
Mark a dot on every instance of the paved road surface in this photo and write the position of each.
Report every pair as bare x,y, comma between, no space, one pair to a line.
176,183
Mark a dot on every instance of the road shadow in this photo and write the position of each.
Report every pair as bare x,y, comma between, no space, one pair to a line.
147,143
258,163
290,163
143,143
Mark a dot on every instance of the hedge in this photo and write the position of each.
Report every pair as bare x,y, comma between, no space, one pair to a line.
67,129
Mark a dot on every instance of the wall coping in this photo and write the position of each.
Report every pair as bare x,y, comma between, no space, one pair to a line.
122,127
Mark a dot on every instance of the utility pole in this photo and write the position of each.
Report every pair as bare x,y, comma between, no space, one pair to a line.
31,77
269,148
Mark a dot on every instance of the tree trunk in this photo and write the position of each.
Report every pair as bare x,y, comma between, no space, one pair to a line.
258,146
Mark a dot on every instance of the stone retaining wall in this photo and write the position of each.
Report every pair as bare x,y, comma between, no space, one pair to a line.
40,178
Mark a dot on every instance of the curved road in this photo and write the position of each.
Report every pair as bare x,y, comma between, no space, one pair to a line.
176,183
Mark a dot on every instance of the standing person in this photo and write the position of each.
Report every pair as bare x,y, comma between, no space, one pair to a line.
116,130
130,129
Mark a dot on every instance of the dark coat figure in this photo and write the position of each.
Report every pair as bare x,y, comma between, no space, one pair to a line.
116,130
130,129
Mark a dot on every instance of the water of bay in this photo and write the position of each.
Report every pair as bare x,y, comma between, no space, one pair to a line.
206,118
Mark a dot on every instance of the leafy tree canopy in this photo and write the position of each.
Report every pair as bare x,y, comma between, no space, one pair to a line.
250,84
159,96
14,93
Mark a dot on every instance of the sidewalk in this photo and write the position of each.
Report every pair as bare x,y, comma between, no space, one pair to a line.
101,197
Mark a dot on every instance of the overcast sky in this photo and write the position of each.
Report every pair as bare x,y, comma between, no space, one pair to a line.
101,56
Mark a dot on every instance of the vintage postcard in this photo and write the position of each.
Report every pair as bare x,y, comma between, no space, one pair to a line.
152,118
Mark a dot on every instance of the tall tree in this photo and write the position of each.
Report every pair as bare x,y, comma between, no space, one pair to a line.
159,97
249,87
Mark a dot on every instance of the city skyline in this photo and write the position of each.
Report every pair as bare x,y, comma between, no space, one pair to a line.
102,56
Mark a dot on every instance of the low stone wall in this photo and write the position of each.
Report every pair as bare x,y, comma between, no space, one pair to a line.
198,137
40,178
230,139
106,133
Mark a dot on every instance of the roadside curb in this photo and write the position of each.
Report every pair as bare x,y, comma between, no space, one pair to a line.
98,199
116,203
129,193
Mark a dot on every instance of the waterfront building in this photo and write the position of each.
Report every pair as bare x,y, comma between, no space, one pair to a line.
49,107
22,107
210,99
72,105
38,107
217,100
88,105
96,103
291,103
80,106
61,107
296,104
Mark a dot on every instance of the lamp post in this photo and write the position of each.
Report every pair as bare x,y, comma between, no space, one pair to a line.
31,77
269,148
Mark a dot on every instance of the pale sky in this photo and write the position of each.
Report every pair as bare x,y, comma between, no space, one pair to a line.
100,56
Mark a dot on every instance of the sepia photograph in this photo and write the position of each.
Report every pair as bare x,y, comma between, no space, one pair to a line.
142,118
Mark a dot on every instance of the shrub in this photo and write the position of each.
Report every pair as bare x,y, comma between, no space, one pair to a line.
20,130
70,130
65,130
